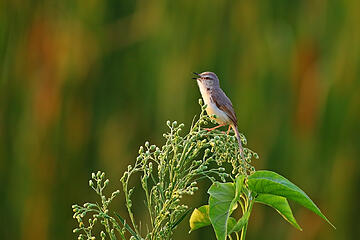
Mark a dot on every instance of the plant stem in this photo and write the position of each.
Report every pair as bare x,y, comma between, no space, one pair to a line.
244,229
243,232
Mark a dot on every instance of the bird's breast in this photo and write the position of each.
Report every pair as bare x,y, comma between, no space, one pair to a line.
211,108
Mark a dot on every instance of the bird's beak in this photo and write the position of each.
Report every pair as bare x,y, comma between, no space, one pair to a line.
196,75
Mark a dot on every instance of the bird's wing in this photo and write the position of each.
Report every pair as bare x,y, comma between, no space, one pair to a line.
224,104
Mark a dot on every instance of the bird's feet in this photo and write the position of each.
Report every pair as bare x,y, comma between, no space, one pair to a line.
211,129
228,131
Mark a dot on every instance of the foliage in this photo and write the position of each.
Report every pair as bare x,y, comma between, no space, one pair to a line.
172,171
167,174
264,187
100,212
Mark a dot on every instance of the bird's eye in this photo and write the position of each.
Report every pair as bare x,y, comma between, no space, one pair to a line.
207,78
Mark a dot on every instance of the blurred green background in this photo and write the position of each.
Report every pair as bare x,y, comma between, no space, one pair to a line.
84,83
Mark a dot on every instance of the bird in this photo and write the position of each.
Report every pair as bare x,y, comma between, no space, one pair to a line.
217,103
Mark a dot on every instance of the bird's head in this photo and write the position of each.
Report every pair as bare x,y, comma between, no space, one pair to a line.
207,79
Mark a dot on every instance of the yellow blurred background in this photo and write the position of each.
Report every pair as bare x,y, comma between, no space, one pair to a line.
84,83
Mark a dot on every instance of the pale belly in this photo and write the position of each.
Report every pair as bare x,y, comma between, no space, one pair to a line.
221,116
212,109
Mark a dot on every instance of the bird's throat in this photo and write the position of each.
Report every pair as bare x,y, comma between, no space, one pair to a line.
205,93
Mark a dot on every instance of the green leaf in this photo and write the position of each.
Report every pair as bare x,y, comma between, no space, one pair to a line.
199,218
281,205
230,225
275,184
127,226
180,219
237,227
239,183
221,202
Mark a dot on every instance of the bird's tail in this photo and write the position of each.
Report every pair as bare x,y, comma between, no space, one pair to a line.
237,134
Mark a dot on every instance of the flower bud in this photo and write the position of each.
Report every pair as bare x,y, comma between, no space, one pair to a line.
106,182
